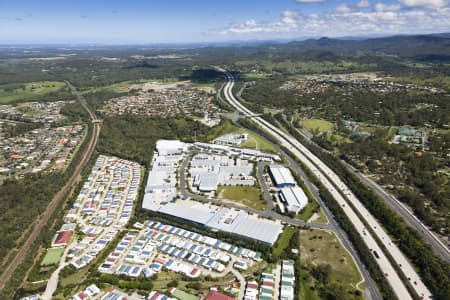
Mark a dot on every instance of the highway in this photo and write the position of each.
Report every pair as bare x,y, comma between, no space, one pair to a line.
372,293
59,197
338,189
401,209
407,215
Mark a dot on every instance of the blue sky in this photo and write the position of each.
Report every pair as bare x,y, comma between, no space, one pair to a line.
155,21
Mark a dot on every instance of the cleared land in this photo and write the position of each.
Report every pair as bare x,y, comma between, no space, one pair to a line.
319,247
27,91
317,124
283,241
249,196
52,256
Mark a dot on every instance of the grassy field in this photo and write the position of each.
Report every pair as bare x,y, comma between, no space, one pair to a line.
249,196
27,91
283,241
52,256
74,278
308,212
317,124
322,247
257,142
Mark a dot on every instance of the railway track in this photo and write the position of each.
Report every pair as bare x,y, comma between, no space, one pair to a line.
60,196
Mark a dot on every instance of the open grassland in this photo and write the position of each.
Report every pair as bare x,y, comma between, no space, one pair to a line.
249,196
52,256
27,91
317,124
319,247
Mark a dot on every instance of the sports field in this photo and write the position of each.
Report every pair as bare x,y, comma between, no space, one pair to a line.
182,295
52,256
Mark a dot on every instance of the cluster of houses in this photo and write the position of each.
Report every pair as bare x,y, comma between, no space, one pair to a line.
158,246
103,207
287,283
34,112
42,149
320,83
170,102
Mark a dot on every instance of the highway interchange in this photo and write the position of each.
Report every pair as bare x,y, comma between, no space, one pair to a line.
340,192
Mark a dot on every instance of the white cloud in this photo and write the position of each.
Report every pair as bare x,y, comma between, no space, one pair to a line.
343,8
385,19
363,4
387,7
425,3
309,1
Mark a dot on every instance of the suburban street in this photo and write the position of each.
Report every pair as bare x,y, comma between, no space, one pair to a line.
338,189
60,196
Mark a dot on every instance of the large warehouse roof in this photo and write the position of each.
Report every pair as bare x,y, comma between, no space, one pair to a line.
282,175
294,197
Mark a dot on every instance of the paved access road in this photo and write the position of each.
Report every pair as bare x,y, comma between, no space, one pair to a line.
372,293
60,196
338,189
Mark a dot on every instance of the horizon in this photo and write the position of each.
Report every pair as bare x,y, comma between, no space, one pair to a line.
50,22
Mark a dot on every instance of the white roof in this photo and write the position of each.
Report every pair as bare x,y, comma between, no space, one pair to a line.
294,197
282,175
170,146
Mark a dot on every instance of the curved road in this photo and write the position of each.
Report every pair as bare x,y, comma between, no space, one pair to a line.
338,189
60,196
333,226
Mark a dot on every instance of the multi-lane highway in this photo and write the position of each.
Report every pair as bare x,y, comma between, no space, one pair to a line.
356,212
401,209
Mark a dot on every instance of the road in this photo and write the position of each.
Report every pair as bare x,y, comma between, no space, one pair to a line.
356,212
401,209
266,213
59,197
372,292
406,214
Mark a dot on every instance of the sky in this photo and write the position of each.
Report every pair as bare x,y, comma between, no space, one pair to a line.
177,21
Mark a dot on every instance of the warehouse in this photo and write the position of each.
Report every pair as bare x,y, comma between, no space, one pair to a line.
281,176
294,198
170,147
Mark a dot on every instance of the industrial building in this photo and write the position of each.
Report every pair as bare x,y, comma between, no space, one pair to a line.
294,198
210,171
231,139
281,176
225,219
170,147
291,195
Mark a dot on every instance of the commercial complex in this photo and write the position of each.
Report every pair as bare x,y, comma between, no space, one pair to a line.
292,196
